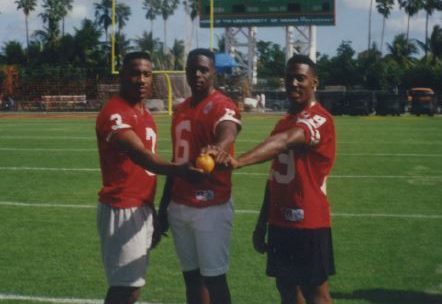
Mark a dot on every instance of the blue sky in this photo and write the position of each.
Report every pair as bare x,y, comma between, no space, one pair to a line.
351,25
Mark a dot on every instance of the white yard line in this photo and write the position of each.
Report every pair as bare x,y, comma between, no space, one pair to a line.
49,149
239,211
65,137
235,173
48,169
14,297
45,137
168,151
390,154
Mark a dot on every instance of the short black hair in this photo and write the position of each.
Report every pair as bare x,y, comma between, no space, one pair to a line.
129,57
201,51
302,59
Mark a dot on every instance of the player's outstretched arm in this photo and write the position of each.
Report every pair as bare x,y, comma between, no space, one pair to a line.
270,147
129,142
225,136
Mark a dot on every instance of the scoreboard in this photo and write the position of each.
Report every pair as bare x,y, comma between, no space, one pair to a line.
237,13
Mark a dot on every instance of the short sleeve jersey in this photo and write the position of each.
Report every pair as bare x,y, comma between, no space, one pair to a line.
298,176
125,184
192,129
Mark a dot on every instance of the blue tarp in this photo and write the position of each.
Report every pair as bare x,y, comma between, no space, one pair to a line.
224,63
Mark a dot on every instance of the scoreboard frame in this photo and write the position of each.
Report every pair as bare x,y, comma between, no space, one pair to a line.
245,13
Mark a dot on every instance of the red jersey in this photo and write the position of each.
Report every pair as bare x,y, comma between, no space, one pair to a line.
193,128
298,176
125,184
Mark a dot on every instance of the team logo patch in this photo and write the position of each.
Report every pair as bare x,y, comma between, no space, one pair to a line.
294,215
204,195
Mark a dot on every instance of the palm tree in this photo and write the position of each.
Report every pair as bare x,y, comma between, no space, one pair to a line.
87,43
122,14
52,15
103,15
67,7
384,8
147,43
429,7
177,53
402,50
167,9
27,6
152,8
411,7
191,9
122,46
436,41
13,52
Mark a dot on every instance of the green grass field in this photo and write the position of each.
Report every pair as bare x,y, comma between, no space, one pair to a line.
385,193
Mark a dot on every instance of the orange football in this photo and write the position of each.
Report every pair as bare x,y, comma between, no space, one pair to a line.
205,162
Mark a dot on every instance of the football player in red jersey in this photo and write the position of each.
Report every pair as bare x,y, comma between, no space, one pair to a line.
295,212
200,214
127,138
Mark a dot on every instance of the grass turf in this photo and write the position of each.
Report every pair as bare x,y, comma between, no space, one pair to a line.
385,193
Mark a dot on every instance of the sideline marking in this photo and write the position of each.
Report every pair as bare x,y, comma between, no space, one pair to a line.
13,297
240,211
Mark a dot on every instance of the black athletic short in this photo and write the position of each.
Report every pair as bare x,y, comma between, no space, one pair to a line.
304,256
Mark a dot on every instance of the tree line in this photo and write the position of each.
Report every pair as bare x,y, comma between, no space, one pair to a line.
383,66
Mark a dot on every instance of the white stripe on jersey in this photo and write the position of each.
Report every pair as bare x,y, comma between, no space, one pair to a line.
315,136
228,116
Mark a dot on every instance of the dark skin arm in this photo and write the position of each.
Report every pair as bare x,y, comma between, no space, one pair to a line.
129,142
270,147
266,150
225,134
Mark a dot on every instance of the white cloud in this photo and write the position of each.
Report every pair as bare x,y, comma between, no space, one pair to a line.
357,4
7,6
417,24
363,4
78,12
